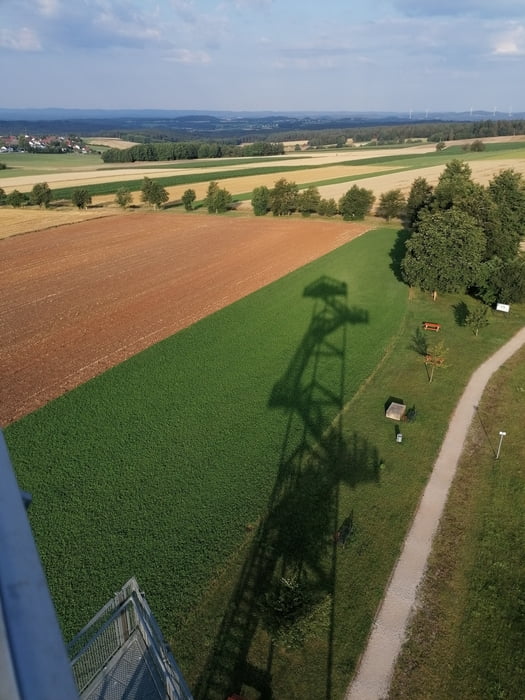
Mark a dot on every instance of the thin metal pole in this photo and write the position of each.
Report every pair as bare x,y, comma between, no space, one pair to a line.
501,436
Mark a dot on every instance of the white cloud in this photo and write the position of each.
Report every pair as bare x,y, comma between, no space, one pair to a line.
48,8
23,39
306,64
187,56
461,8
510,43
131,27
243,4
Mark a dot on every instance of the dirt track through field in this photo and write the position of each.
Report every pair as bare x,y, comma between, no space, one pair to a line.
79,299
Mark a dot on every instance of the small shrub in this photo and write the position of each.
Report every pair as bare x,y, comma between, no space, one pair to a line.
287,601
123,197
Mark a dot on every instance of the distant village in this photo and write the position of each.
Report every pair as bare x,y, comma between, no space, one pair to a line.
42,144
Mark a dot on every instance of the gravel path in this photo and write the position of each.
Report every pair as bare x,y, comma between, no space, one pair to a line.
372,679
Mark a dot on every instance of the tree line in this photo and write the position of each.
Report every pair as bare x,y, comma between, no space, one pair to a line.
189,150
41,195
285,198
386,134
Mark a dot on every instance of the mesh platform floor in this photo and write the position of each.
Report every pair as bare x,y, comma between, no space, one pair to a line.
128,676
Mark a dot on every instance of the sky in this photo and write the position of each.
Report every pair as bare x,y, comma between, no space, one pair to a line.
253,55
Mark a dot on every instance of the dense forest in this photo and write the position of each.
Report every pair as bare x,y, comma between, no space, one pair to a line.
189,150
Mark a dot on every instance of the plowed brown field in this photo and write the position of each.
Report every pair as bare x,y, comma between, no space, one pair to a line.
78,299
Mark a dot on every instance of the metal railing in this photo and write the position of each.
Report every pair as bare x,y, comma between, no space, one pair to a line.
107,634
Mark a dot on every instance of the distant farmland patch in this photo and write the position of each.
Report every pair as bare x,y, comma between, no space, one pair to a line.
110,143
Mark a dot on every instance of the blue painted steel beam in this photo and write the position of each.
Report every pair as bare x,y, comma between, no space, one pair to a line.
30,636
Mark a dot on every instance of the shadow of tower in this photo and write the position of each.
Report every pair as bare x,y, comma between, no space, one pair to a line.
294,537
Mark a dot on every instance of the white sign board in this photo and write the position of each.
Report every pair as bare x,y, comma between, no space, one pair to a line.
503,307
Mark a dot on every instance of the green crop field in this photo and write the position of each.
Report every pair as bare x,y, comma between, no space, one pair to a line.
47,163
187,179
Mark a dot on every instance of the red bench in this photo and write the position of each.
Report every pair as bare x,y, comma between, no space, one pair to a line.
431,326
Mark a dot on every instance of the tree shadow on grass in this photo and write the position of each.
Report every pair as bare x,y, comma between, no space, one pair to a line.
460,313
398,252
295,540
419,342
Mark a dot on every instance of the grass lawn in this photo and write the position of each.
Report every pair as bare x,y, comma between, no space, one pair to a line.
219,461
468,639
367,477
46,163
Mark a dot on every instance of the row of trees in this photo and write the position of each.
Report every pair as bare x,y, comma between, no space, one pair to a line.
41,196
189,150
282,200
285,199
465,237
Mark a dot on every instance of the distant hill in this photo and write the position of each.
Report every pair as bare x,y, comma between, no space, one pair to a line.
62,114
220,125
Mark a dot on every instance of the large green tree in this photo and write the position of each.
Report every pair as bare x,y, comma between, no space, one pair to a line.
152,192
327,207
391,204
502,281
507,190
41,195
308,201
261,200
419,197
283,197
445,253
222,201
188,199
218,199
454,186
356,203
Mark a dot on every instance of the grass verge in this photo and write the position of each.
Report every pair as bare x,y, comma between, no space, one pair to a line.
468,637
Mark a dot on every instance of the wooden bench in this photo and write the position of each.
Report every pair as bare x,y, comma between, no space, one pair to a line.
431,326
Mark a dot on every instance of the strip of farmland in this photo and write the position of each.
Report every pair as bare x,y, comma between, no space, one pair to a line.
79,299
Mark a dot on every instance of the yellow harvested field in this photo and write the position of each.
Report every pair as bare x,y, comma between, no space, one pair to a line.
482,171
24,183
16,221
240,185
110,142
